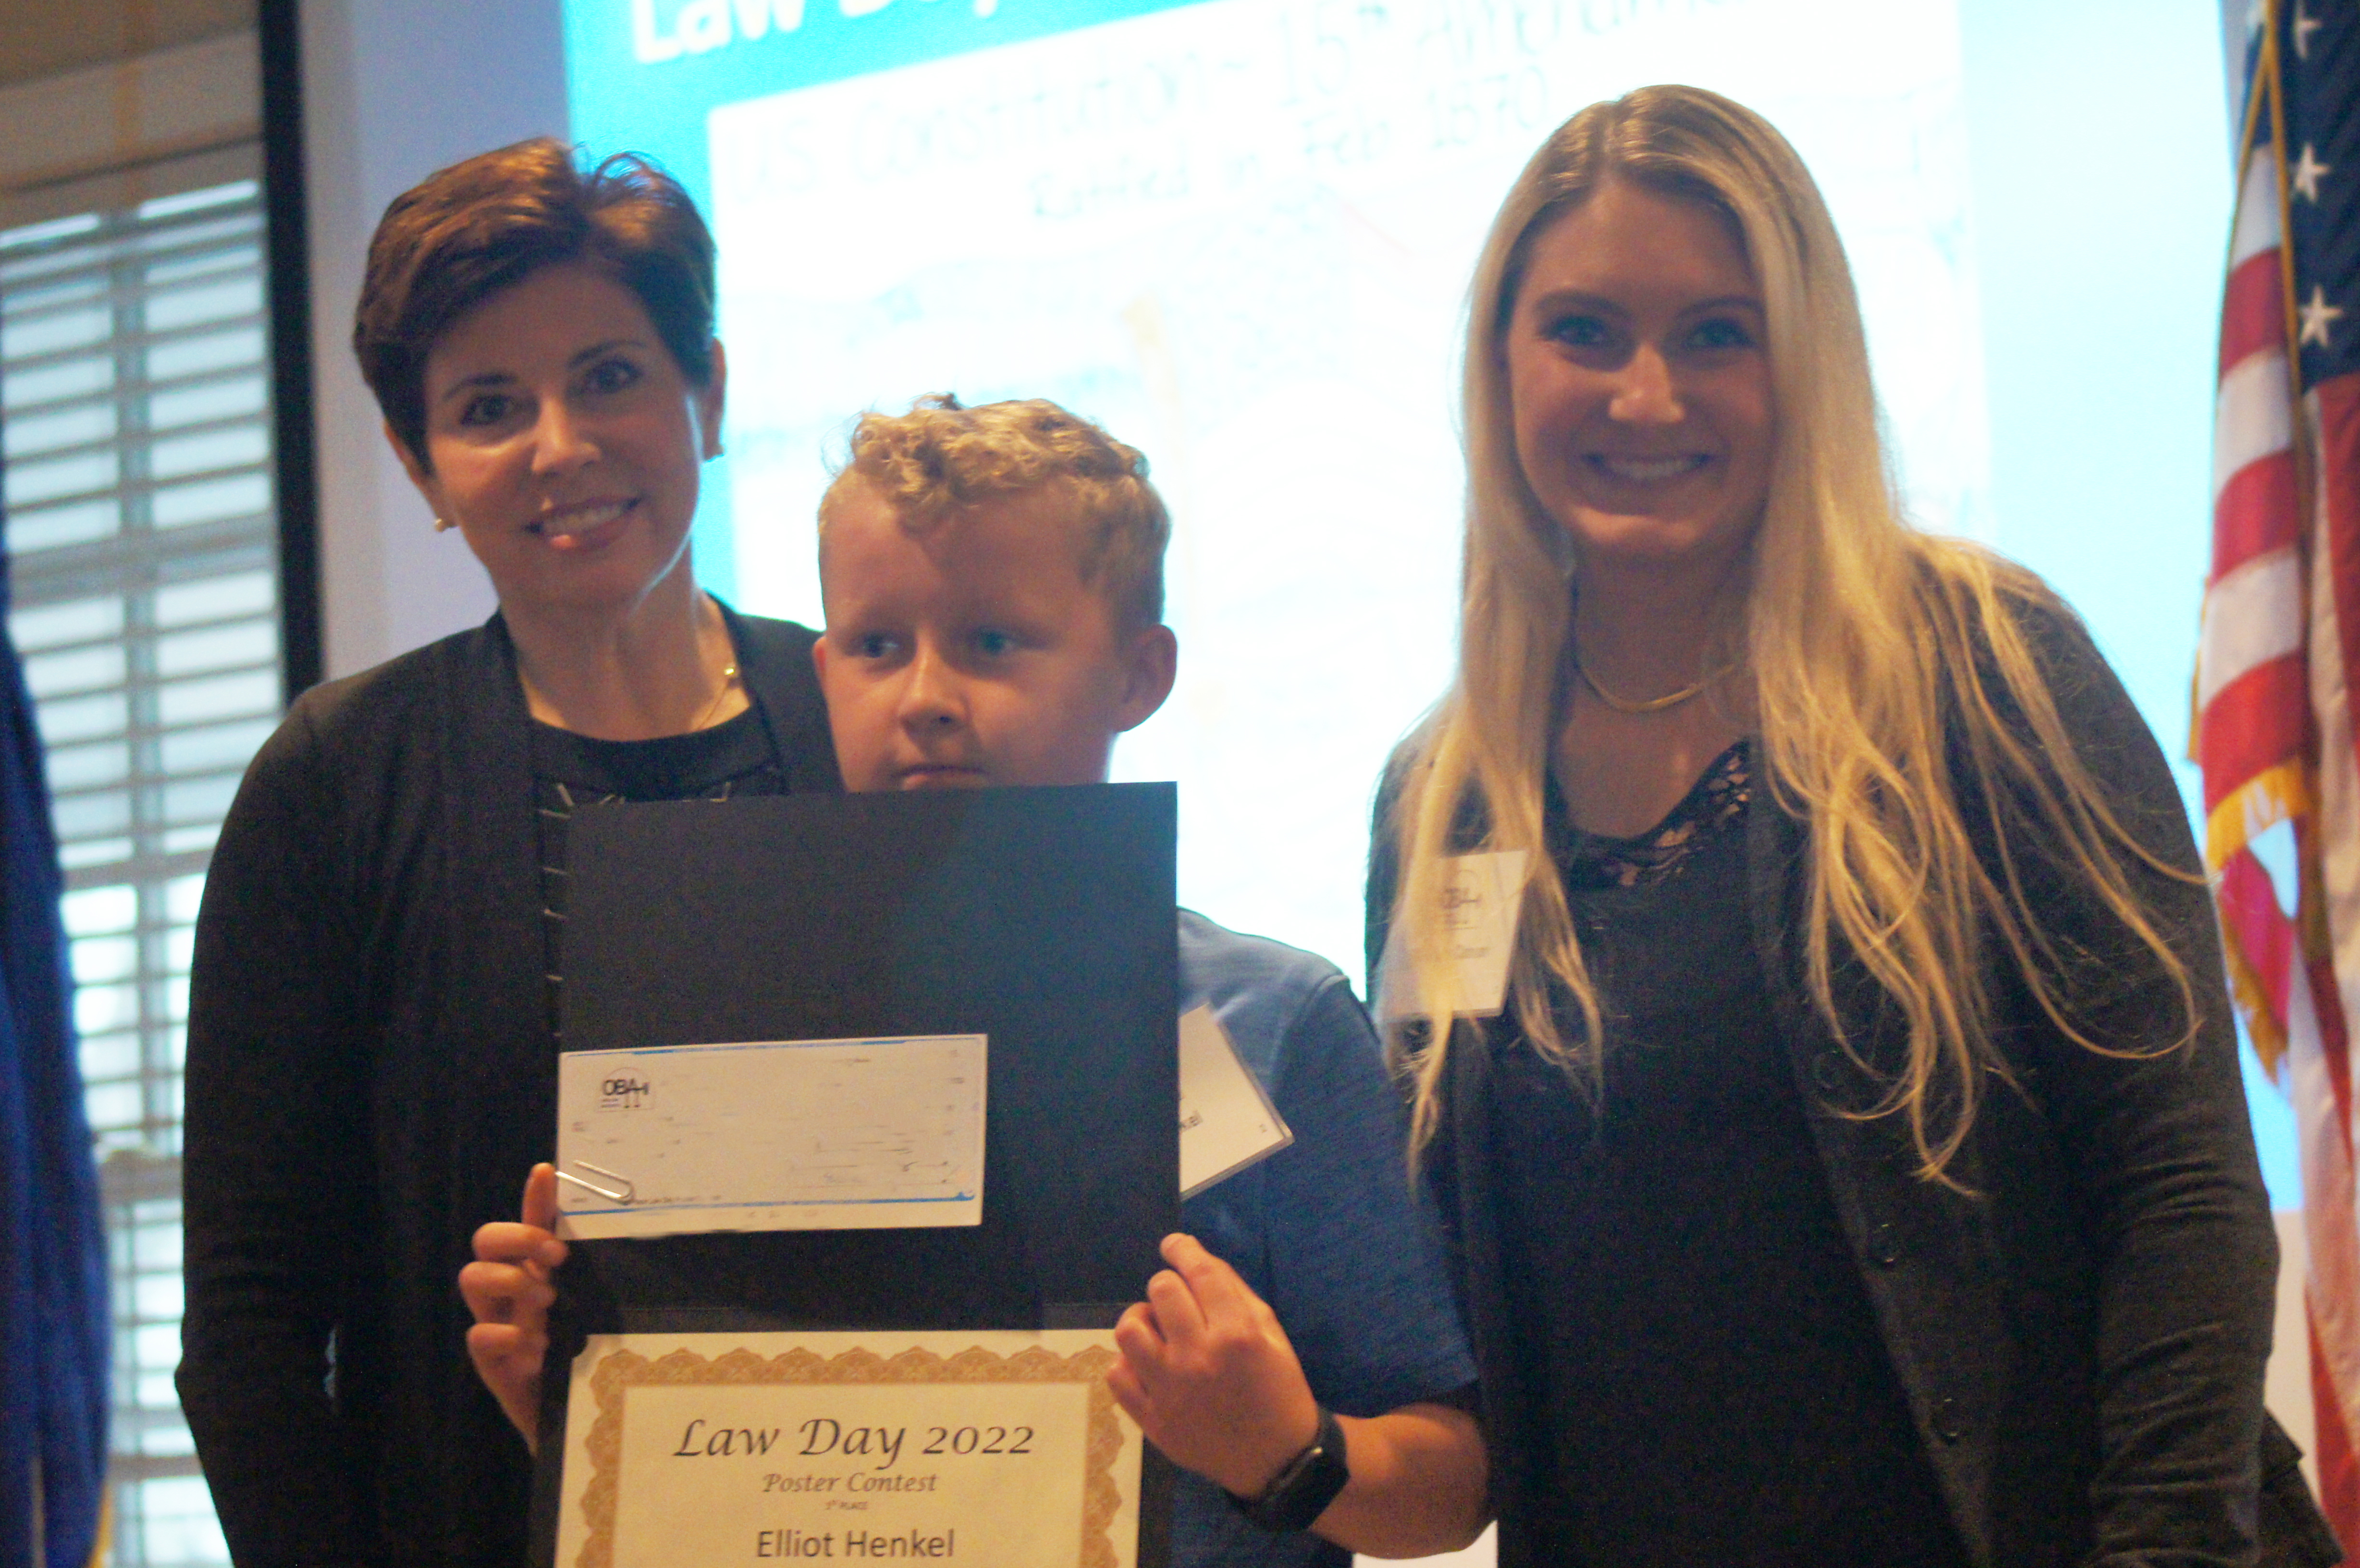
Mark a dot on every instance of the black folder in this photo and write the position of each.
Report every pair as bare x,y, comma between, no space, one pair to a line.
1043,919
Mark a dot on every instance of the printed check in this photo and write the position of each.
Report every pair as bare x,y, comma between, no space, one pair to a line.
782,1135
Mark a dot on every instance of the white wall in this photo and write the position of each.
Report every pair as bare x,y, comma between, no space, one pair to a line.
392,91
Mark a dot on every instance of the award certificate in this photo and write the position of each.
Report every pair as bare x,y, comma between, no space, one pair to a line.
989,1449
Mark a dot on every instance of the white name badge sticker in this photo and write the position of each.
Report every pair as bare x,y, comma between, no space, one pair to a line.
782,1135
1227,1121
991,1450
1482,897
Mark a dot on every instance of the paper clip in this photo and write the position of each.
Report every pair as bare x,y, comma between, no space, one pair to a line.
622,1197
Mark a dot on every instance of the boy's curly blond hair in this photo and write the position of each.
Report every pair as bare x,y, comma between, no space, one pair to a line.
942,456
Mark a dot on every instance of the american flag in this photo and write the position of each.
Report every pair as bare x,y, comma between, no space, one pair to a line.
2278,703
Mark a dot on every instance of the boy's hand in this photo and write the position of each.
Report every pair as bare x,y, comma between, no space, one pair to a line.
508,1290
1210,1375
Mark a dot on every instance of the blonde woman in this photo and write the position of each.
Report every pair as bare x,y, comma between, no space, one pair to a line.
1858,1171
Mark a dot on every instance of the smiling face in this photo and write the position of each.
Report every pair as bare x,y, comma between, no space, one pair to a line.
1640,382
974,653
566,443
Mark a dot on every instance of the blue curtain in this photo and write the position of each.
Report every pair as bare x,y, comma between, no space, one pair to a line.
53,1300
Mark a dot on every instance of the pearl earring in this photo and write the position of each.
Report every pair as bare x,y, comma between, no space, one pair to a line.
443,524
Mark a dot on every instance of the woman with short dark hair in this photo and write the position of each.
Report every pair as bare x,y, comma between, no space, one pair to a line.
479,226
374,1000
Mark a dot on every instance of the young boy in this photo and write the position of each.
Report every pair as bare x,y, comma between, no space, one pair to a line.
993,580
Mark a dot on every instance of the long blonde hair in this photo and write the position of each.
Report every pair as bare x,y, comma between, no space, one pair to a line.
1879,656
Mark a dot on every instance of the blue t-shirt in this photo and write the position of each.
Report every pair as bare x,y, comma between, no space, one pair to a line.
1328,1231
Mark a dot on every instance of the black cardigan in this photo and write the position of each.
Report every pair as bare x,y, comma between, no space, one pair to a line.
370,1074
2083,1342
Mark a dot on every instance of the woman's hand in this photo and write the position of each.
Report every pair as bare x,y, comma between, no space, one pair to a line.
1208,1375
508,1288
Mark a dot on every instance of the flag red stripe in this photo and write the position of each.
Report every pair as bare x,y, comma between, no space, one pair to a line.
2256,513
2335,1045
2260,719
2249,907
2253,310
2330,1447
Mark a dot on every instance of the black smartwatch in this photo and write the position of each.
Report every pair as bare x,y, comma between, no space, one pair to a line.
1301,1493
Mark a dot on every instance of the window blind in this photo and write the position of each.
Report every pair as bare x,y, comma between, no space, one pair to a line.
135,450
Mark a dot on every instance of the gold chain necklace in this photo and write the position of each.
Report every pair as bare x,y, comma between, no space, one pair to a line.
728,682
1653,704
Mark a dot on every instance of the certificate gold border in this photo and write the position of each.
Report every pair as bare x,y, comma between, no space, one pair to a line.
621,1370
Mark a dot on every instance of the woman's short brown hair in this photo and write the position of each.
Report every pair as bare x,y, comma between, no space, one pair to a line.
465,233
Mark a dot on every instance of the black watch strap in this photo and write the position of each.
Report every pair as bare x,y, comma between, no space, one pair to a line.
1301,1493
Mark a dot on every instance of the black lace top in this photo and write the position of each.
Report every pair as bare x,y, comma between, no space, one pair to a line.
1708,1373
1713,805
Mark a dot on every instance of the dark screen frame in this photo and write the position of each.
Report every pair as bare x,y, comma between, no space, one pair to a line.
294,425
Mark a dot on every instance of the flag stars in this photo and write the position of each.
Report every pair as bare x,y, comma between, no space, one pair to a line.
2304,25
2304,175
2317,316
